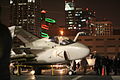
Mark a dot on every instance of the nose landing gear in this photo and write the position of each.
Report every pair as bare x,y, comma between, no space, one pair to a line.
72,68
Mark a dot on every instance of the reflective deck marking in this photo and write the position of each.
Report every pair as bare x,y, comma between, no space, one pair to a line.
76,77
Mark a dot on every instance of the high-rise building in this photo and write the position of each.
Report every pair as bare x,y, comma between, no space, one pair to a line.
26,13
78,18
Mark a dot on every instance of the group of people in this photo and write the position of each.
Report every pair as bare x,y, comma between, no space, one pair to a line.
106,65
103,65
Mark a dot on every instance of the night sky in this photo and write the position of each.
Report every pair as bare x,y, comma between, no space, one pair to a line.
108,9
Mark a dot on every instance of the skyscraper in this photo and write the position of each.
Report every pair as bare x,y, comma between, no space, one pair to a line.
78,18
26,13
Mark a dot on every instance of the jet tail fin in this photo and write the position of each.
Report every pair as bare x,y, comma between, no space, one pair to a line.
12,30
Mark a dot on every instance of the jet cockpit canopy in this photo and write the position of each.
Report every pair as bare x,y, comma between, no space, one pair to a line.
62,40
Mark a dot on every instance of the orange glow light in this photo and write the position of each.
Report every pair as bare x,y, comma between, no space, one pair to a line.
61,32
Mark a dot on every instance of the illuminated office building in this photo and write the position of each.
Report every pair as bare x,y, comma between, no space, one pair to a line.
78,18
26,13
103,27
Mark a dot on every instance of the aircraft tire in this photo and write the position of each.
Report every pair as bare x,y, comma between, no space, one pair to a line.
37,71
71,73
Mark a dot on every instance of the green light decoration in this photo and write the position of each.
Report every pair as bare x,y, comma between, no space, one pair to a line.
44,34
48,20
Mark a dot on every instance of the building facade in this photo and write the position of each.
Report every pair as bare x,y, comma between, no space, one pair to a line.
26,13
104,27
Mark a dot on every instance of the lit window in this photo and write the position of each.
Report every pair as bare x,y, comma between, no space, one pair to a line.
106,24
81,17
69,27
75,28
83,20
89,17
92,24
69,11
31,0
69,14
19,22
77,14
70,22
11,1
79,25
21,3
33,15
70,17
80,11
24,19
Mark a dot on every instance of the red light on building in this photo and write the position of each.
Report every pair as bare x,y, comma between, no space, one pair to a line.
44,26
43,11
87,9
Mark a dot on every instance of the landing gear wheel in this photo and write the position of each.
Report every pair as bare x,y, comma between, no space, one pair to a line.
70,73
37,71
72,68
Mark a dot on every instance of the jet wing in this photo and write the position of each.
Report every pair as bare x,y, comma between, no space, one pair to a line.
25,36
31,50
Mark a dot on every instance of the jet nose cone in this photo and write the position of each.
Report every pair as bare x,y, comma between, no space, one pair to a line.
86,51
78,51
83,49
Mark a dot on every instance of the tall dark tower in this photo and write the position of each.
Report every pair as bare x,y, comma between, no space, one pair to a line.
69,13
26,13
78,19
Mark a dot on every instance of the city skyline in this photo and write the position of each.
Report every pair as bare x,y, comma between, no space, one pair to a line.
104,9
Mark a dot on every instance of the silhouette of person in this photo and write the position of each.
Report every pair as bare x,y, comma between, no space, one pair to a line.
5,48
108,65
84,64
116,65
98,65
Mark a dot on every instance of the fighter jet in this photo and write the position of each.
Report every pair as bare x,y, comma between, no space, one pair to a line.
52,50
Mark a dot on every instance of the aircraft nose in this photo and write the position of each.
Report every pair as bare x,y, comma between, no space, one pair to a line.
78,51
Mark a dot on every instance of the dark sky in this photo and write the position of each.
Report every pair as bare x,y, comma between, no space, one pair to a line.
108,9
